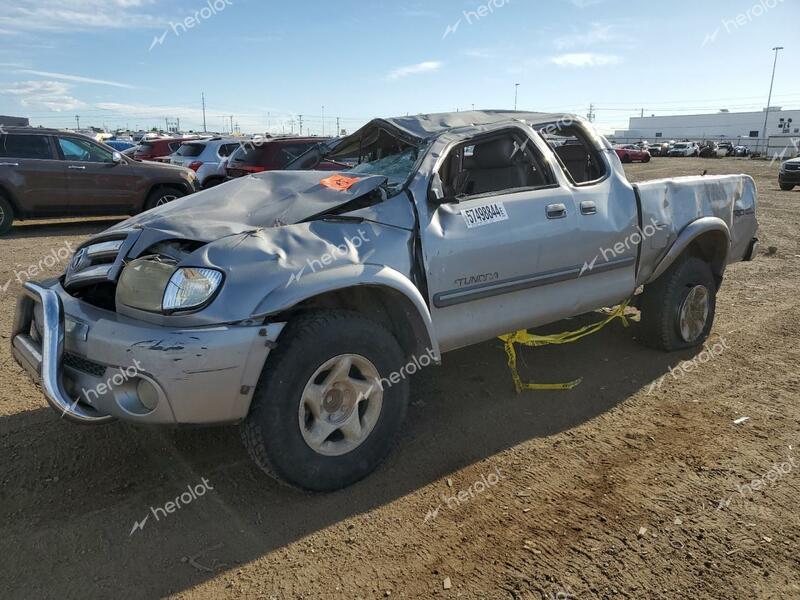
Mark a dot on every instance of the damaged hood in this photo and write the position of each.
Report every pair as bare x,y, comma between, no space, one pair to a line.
264,200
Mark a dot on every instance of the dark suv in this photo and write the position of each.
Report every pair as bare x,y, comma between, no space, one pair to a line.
54,173
274,154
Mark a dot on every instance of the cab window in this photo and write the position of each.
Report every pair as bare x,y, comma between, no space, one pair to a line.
577,154
75,149
492,165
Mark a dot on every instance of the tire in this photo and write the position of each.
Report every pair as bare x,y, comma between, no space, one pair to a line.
687,283
163,195
212,182
626,158
646,159
786,187
279,430
6,216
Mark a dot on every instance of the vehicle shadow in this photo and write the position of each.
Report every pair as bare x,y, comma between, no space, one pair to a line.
30,229
72,496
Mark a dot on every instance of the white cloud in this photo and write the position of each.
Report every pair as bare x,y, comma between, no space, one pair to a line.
77,15
77,78
428,66
585,59
597,34
51,95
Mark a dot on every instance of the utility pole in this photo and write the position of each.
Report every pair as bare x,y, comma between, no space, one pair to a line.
776,49
300,118
231,124
323,120
591,115
179,125
642,113
77,122
516,90
203,97
337,126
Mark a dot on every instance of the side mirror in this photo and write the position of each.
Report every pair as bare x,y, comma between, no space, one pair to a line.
117,158
436,193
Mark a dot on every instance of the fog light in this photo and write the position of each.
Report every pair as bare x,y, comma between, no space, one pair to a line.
148,394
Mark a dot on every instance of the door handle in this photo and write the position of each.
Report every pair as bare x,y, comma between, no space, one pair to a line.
588,208
9,164
556,211
77,167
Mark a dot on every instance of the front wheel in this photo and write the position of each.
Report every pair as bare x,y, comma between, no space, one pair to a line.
626,158
678,308
162,196
6,216
329,403
787,187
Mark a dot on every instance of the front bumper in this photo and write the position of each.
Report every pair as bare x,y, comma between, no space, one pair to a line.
789,177
95,365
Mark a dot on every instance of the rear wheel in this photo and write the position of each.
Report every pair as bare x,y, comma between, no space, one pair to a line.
678,308
646,159
163,195
6,215
787,187
325,412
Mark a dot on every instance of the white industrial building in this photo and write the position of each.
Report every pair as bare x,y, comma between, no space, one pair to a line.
745,128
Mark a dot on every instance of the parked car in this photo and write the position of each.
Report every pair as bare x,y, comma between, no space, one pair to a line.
658,149
712,150
631,153
728,148
789,174
272,154
297,303
207,158
684,149
152,149
53,173
119,145
742,151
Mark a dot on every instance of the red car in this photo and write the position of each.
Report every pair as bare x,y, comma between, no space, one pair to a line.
158,148
273,154
631,153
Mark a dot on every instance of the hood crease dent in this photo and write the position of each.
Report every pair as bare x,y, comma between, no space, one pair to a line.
263,200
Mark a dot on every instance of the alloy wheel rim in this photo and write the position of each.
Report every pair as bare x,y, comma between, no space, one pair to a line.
166,199
694,313
340,405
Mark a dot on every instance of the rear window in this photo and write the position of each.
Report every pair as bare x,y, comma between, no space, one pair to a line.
191,150
174,146
25,146
273,155
145,148
227,149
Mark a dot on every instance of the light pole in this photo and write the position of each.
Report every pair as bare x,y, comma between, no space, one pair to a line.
776,49
516,89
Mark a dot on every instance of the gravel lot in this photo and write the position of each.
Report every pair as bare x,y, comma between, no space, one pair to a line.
614,489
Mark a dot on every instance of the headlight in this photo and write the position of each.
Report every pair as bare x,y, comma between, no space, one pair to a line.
155,285
190,287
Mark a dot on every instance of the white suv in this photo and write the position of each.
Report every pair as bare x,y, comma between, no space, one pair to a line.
207,158
684,149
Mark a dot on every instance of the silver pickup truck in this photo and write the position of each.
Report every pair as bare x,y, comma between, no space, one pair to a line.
298,302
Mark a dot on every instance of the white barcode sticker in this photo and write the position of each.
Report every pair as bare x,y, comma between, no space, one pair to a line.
484,215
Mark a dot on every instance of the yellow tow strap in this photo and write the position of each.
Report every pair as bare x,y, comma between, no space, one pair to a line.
525,338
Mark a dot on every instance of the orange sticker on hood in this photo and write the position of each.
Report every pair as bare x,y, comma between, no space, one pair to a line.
339,182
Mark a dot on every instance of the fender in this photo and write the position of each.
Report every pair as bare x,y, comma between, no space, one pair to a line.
689,234
348,276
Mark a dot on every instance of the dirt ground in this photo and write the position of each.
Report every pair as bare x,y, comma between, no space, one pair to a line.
618,488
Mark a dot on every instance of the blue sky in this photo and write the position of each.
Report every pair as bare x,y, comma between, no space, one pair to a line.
134,62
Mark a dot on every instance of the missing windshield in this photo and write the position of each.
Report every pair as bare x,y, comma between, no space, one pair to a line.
378,152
